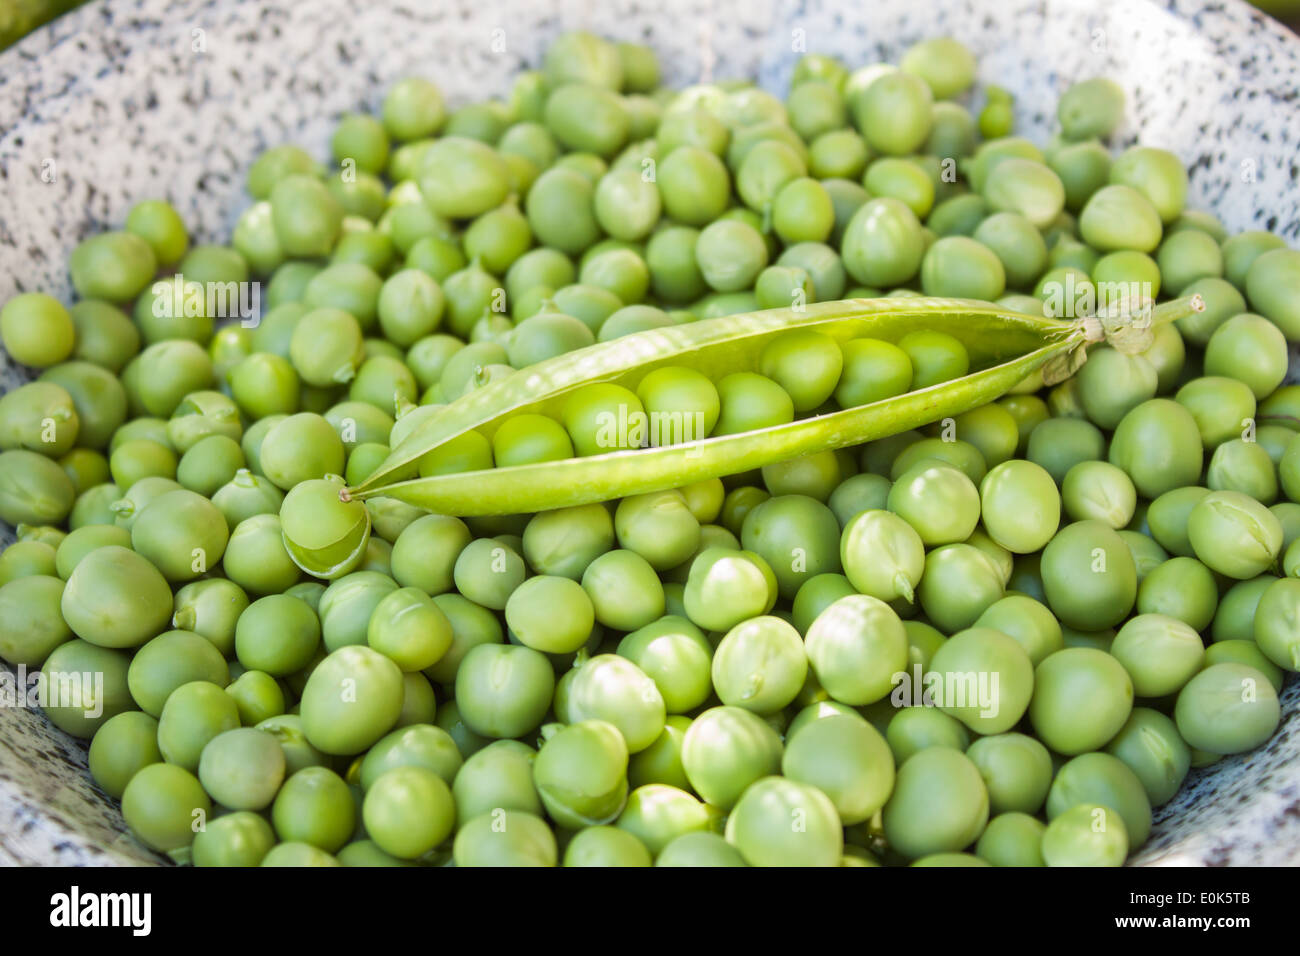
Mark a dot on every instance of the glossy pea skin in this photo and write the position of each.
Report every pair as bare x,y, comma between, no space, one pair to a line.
903,180
1156,174
1248,348
123,746
1181,588
606,846
347,719
848,760
873,370
1028,621
987,652
676,656
1276,614
1223,408
498,776
759,825
581,774
1017,770
116,598
806,364
1222,302
1111,384
936,357
939,804
1105,780
550,614
916,728
1160,653
504,690
759,665
882,555
510,838
1087,834
415,745
656,814
1027,187
1149,744
1017,244
33,625
798,537
161,804
1234,534
194,714
91,701
855,647
242,838
960,582
940,502
169,660
408,811
883,244
960,267
1020,506
661,762
1271,283
316,808
725,750
894,113
1082,697
1089,576
1227,708
856,494
1157,444
1119,217
699,849
242,768
1100,491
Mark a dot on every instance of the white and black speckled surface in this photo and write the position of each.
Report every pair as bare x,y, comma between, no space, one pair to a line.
119,99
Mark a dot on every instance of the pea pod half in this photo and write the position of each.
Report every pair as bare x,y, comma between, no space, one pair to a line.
1004,346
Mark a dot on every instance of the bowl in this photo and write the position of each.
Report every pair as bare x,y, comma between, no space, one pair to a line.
127,99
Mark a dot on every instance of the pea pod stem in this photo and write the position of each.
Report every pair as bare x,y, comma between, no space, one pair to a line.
1005,345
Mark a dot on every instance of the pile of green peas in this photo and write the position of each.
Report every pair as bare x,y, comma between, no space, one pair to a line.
1095,583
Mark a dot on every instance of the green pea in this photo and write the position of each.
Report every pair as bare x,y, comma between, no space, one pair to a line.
1149,744
352,698
1158,175
1091,109
613,689
1009,670
1082,697
1157,444
1117,216
194,714
940,502
1087,834
1276,614
939,804
503,690
1012,839
242,838
1016,769
1180,588
882,244
163,804
1234,534
122,747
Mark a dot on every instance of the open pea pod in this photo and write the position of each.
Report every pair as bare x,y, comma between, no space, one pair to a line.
1005,347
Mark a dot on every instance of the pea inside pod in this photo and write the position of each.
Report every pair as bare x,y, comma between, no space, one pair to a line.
1003,346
